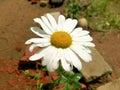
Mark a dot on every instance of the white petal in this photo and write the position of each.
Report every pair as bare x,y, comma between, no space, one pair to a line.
55,64
38,32
90,44
50,56
33,40
32,47
76,31
45,61
51,60
82,43
44,44
65,65
56,58
80,33
83,33
85,56
88,50
50,68
37,40
45,20
82,46
73,25
45,28
72,57
67,24
83,38
52,21
61,21
40,54
38,45
81,53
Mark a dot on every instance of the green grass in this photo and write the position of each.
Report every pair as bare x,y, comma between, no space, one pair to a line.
102,15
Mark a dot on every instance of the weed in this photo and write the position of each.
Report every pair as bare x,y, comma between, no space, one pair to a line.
113,20
103,20
73,9
97,7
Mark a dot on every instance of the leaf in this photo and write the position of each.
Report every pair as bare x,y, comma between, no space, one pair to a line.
39,87
77,76
36,76
26,72
76,85
66,86
54,83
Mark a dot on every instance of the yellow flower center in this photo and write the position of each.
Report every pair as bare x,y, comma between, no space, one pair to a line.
61,39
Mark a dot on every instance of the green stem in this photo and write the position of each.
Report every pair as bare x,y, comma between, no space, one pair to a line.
51,76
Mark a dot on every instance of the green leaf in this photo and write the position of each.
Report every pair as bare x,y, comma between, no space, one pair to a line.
78,76
76,85
66,86
36,76
63,80
26,72
39,87
54,83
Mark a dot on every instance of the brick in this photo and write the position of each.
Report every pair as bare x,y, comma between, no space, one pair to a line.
114,85
96,68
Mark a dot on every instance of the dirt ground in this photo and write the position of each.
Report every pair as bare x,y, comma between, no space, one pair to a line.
16,18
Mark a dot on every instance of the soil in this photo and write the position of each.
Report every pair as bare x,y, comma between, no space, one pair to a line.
16,18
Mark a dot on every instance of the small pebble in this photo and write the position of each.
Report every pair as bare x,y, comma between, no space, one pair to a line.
83,22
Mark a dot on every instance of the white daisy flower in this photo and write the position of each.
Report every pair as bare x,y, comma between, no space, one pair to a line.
61,42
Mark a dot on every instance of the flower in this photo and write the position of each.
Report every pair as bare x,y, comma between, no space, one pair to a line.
61,43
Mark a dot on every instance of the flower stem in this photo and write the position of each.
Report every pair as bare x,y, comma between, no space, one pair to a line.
51,76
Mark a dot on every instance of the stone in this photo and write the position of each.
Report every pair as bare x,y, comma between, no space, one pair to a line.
114,85
96,68
43,3
83,22
56,3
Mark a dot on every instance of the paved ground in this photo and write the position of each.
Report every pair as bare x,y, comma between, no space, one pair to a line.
16,18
